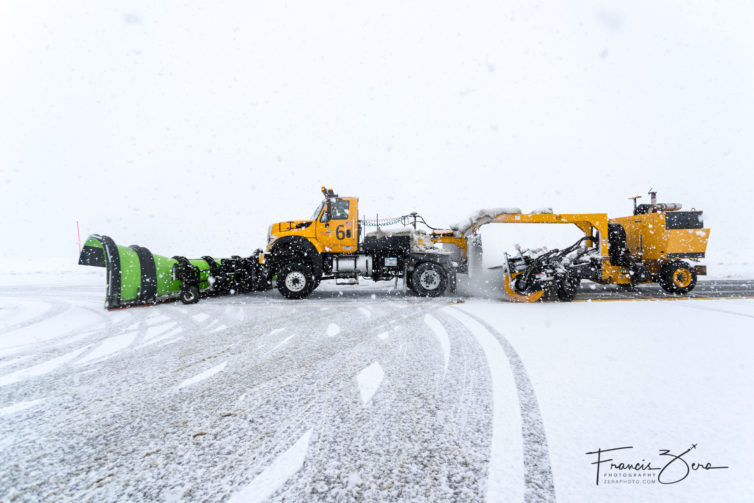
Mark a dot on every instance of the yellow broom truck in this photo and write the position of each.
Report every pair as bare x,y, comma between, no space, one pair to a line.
658,243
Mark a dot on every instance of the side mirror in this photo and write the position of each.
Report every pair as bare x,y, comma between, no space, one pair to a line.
327,214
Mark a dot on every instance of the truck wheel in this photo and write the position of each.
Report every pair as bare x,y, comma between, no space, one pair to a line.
567,289
429,280
295,280
677,277
190,295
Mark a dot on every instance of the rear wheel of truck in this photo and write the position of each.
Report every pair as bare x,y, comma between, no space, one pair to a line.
429,280
677,277
295,280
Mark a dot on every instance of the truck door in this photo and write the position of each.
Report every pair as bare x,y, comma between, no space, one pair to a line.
337,230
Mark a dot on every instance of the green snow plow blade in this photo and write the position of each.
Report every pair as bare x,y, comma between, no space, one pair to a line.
136,276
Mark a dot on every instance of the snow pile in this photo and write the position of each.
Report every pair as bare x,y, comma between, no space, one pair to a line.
481,217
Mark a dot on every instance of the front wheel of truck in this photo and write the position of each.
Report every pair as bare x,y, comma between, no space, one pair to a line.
295,280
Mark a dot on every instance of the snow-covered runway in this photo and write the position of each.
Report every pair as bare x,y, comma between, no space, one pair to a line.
371,396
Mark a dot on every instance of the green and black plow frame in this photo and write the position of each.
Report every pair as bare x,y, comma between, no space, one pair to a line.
137,277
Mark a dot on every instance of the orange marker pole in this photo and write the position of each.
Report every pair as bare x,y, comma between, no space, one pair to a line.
78,235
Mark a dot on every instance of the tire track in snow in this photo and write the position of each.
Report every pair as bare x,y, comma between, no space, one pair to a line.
505,478
281,343
405,447
302,387
204,375
341,361
276,474
538,479
369,381
711,309
442,338
54,308
108,347
39,369
20,406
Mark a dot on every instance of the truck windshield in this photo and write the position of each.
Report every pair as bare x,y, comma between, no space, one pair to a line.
316,212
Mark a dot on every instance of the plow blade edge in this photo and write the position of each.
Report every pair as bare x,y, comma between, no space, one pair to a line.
520,297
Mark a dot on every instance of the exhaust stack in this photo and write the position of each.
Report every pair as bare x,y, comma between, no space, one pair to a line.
654,206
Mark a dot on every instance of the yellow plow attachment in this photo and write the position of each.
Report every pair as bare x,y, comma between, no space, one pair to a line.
519,297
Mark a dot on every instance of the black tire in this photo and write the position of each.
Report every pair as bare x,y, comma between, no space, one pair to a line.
189,295
429,280
677,277
567,289
295,280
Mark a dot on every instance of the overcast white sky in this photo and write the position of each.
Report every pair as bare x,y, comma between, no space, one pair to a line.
189,127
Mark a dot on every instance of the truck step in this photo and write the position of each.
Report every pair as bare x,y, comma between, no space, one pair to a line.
346,281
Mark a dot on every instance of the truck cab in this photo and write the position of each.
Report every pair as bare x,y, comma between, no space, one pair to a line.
665,240
333,227
302,253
